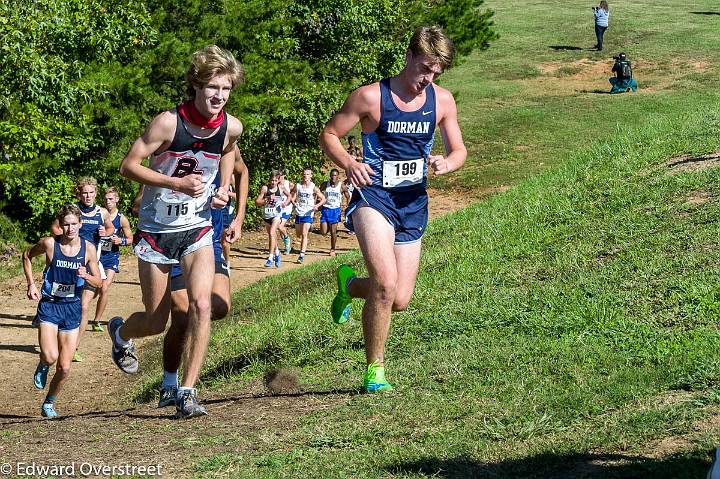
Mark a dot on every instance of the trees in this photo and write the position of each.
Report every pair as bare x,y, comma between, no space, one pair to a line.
83,77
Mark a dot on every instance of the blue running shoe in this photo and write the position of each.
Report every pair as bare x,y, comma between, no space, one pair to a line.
167,396
268,263
301,258
48,410
186,405
40,378
277,260
125,356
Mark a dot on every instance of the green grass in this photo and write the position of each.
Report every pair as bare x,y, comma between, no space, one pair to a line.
557,330
573,316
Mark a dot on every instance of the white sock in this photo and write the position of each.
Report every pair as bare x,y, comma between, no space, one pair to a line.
120,340
169,379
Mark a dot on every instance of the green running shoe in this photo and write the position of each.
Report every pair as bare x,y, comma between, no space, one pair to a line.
76,357
374,379
96,327
342,302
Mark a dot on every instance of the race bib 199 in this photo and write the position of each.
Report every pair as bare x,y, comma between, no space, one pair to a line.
60,290
402,172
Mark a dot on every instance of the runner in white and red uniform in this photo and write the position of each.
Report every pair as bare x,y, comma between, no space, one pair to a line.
188,146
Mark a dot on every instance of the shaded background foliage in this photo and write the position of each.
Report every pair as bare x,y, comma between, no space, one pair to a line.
80,79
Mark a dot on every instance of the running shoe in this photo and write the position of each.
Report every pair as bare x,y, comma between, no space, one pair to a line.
288,248
332,253
167,396
186,405
76,357
374,379
124,357
269,263
40,378
48,410
277,260
96,327
342,303
714,472
301,258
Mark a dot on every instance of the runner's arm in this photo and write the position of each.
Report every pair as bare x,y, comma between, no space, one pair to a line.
227,162
356,107
42,246
322,198
126,232
261,200
93,278
242,187
455,150
108,228
55,228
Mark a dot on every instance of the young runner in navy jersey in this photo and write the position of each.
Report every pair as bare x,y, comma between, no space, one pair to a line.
273,198
388,210
110,251
71,263
188,146
95,224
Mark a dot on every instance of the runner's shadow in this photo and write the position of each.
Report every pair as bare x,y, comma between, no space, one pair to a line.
28,325
705,13
22,348
695,159
21,317
596,92
561,466
332,392
134,283
564,47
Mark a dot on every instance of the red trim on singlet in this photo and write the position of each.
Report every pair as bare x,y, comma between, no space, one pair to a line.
189,112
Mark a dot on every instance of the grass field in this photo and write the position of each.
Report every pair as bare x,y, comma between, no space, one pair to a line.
565,328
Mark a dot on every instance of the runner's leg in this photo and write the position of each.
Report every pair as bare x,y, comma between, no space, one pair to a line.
156,298
198,269
376,238
103,296
66,342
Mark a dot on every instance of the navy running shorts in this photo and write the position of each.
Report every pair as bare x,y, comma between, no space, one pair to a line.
64,315
406,211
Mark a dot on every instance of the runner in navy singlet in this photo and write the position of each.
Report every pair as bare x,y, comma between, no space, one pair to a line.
110,251
188,146
388,209
71,263
95,224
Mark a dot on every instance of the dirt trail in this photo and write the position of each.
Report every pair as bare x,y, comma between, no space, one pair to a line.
92,402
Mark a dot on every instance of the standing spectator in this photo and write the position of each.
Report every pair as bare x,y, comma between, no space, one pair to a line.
602,14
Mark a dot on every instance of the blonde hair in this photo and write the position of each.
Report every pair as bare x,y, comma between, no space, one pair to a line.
68,210
433,42
85,181
209,62
113,190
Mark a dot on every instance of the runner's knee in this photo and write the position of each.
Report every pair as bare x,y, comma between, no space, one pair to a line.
220,307
385,289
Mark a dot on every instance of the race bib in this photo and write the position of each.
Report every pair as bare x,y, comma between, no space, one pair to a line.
105,244
402,172
272,209
63,290
174,214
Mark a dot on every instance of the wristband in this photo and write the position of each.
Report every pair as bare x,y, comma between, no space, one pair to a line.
123,241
